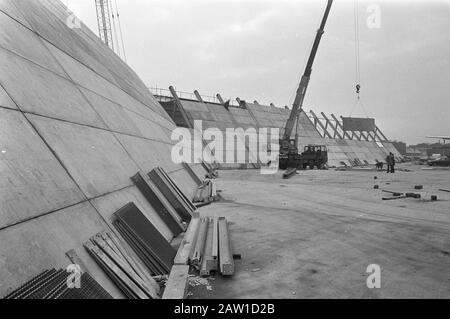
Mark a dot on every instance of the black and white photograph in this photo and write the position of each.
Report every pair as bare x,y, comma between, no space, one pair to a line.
218,157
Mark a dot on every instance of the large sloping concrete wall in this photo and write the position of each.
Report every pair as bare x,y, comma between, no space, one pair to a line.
258,116
75,124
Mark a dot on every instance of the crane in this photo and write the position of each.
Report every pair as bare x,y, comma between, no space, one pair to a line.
104,22
289,155
108,28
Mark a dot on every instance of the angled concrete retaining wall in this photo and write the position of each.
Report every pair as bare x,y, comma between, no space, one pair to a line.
75,124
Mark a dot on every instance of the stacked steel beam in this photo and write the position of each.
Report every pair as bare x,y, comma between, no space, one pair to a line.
207,247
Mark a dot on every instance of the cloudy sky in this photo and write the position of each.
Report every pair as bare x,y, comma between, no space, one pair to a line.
257,49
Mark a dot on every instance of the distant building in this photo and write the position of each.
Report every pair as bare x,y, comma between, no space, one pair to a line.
443,149
400,146
414,152
428,149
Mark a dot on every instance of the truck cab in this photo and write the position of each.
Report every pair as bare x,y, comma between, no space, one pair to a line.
314,156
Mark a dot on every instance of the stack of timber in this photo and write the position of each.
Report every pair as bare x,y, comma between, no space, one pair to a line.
206,248
206,193
124,270
182,205
54,284
145,240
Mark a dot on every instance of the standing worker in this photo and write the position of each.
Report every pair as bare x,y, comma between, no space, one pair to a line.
390,161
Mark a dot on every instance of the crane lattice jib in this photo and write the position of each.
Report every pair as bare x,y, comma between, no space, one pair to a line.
104,22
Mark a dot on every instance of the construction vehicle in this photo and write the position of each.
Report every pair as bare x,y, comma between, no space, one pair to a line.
313,155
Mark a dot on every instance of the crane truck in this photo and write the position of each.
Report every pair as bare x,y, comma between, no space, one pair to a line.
313,155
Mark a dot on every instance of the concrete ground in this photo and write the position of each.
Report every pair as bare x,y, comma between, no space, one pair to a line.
314,236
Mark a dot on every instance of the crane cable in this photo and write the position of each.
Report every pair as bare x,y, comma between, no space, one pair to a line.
120,31
357,62
357,51
114,28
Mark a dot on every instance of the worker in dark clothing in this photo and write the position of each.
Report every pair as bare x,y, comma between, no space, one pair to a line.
390,160
392,163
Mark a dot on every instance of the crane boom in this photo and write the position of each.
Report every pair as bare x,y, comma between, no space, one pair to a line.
104,22
301,92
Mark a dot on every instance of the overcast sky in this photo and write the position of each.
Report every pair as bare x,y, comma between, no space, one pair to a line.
257,49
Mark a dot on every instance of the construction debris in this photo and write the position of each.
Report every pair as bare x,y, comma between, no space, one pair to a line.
394,198
206,193
393,193
195,281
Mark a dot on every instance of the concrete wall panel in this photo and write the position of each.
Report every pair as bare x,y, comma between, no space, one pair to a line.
45,93
93,157
22,41
32,181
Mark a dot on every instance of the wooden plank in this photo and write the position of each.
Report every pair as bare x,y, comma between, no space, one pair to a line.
182,257
132,259
208,263
115,270
197,256
148,289
215,243
177,284
226,261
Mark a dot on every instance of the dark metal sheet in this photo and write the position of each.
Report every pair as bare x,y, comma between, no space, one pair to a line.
157,204
147,234
172,197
